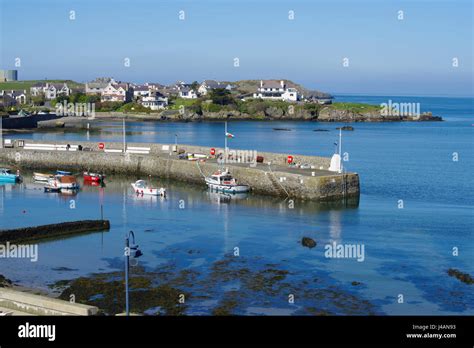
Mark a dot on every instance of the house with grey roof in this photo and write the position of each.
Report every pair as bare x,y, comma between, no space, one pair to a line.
98,85
276,90
38,88
54,90
141,91
208,85
154,101
17,96
187,93
117,92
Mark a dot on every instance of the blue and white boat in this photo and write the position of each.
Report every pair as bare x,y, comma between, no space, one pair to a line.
223,181
6,175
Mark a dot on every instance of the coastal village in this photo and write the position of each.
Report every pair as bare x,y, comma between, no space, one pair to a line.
274,99
112,94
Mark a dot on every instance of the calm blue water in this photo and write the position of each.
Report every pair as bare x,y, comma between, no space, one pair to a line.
407,251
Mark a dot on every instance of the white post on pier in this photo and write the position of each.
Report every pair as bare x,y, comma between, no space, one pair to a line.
340,150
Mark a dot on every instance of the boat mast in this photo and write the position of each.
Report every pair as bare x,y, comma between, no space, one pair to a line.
225,144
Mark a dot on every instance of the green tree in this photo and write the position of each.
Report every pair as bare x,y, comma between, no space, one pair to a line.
221,96
195,85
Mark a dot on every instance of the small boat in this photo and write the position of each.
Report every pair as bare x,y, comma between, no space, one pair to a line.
6,175
42,177
59,183
141,187
346,128
196,156
94,177
223,181
62,173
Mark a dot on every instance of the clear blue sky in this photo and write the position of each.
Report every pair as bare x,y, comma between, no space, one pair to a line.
386,55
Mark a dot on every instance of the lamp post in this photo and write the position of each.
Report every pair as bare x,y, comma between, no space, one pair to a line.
176,142
136,254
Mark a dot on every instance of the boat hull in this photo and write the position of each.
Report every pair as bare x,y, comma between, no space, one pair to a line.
8,179
148,191
41,177
92,178
228,188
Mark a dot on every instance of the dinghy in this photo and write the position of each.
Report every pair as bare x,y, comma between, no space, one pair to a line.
141,187
94,177
42,177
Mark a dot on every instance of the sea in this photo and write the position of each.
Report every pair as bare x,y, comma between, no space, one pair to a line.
387,255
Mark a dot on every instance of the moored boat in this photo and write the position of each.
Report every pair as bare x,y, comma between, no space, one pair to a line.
59,183
94,177
42,177
223,181
141,187
6,175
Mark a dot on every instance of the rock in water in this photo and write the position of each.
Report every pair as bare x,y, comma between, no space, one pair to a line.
308,242
463,277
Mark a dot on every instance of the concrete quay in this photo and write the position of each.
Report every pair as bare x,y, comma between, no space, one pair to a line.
272,177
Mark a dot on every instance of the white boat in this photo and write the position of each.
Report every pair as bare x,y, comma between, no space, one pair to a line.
223,181
42,177
59,183
141,187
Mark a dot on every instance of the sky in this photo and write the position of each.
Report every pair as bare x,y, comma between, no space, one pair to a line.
388,52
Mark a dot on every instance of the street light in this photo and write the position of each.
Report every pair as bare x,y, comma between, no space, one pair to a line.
136,254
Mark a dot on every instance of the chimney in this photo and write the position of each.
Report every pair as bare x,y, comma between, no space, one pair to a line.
282,83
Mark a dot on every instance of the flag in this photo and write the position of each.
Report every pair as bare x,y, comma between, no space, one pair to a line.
229,135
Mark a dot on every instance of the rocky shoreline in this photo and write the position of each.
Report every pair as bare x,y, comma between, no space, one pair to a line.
271,114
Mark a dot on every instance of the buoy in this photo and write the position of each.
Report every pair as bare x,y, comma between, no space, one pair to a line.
213,151
290,159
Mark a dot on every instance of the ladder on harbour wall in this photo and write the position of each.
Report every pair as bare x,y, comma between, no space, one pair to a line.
277,185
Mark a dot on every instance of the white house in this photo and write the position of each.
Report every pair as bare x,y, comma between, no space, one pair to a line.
276,90
38,88
98,85
13,97
117,92
208,85
141,91
50,90
187,93
154,101
54,90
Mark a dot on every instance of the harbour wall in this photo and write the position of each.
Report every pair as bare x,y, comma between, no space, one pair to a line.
269,178
53,230
26,122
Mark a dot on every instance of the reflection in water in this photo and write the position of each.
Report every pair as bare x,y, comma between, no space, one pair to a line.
2,197
335,225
